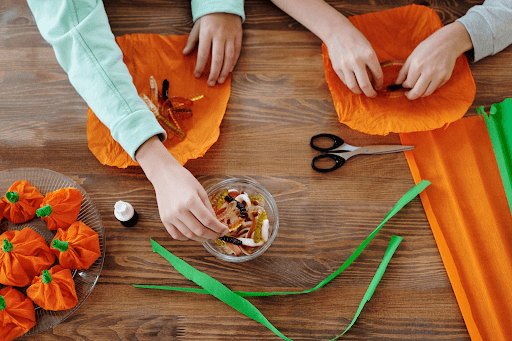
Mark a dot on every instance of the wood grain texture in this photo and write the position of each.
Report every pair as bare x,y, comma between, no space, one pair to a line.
279,96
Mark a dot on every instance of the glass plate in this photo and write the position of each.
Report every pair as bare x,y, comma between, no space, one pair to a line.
45,181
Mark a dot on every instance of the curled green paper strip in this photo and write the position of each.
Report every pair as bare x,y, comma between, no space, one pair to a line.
235,300
411,194
499,126
220,291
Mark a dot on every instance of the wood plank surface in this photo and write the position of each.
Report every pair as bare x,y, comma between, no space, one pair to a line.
279,96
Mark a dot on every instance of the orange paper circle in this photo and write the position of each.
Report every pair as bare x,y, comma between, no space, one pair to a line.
394,34
148,55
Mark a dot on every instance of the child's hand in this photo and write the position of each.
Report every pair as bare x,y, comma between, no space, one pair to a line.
352,56
220,33
431,63
183,203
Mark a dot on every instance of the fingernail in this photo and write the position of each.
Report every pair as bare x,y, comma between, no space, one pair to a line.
212,83
221,80
197,74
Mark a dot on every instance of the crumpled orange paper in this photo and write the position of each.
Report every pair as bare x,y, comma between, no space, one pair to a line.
394,34
17,314
148,55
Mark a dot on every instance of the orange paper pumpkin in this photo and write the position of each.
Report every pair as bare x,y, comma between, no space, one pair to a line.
17,314
2,207
61,208
24,254
21,202
54,289
77,247
148,55
394,34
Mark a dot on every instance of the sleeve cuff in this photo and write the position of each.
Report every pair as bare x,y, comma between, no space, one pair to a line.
204,7
480,33
135,129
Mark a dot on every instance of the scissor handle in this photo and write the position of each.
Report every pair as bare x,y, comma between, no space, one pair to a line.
336,142
338,162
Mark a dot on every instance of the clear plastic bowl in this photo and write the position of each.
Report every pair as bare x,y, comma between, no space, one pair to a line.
251,187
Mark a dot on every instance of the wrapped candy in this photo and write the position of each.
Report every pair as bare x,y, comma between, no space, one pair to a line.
54,289
76,247
17,314
60,208
24,254
21,202
2,207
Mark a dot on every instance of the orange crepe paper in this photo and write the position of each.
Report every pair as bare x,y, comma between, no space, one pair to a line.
57,293
2,207
27,202
65,204
394,34
148,55
18,315
467,209
28,256
82,249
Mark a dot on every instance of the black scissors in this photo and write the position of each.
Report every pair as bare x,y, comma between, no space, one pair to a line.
339,146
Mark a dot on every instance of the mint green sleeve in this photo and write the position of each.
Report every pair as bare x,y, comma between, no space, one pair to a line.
203,7
85,47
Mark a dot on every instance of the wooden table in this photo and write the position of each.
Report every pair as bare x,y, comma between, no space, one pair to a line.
279,98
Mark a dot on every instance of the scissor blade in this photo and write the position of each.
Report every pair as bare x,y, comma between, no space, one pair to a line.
383,149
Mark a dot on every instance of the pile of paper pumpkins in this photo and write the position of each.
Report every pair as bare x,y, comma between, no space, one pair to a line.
30,264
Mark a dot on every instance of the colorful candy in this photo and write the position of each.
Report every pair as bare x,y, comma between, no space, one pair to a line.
246,219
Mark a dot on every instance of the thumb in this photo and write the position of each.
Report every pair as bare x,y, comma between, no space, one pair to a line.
402,75
193,38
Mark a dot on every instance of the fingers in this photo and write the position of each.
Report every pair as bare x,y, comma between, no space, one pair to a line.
229,61
359,81
203,52
364,82
404,71
376,72
218,48
199,224
185,231
192,39
351,81
238,48
174,232
201,214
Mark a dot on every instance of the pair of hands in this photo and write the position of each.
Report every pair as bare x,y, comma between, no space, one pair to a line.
427,68
220,34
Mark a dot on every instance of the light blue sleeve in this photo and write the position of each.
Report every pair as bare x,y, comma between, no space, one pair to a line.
490,27
85,47
203,7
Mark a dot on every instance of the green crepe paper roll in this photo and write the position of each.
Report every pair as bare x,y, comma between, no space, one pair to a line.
235,298
499,126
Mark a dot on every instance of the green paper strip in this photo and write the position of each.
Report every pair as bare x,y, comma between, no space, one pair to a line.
393,244
235,300
220,291
499,126
411,194
216,288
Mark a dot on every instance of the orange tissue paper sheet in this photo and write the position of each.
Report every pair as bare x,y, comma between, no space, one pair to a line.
467,209
394,34
148,55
